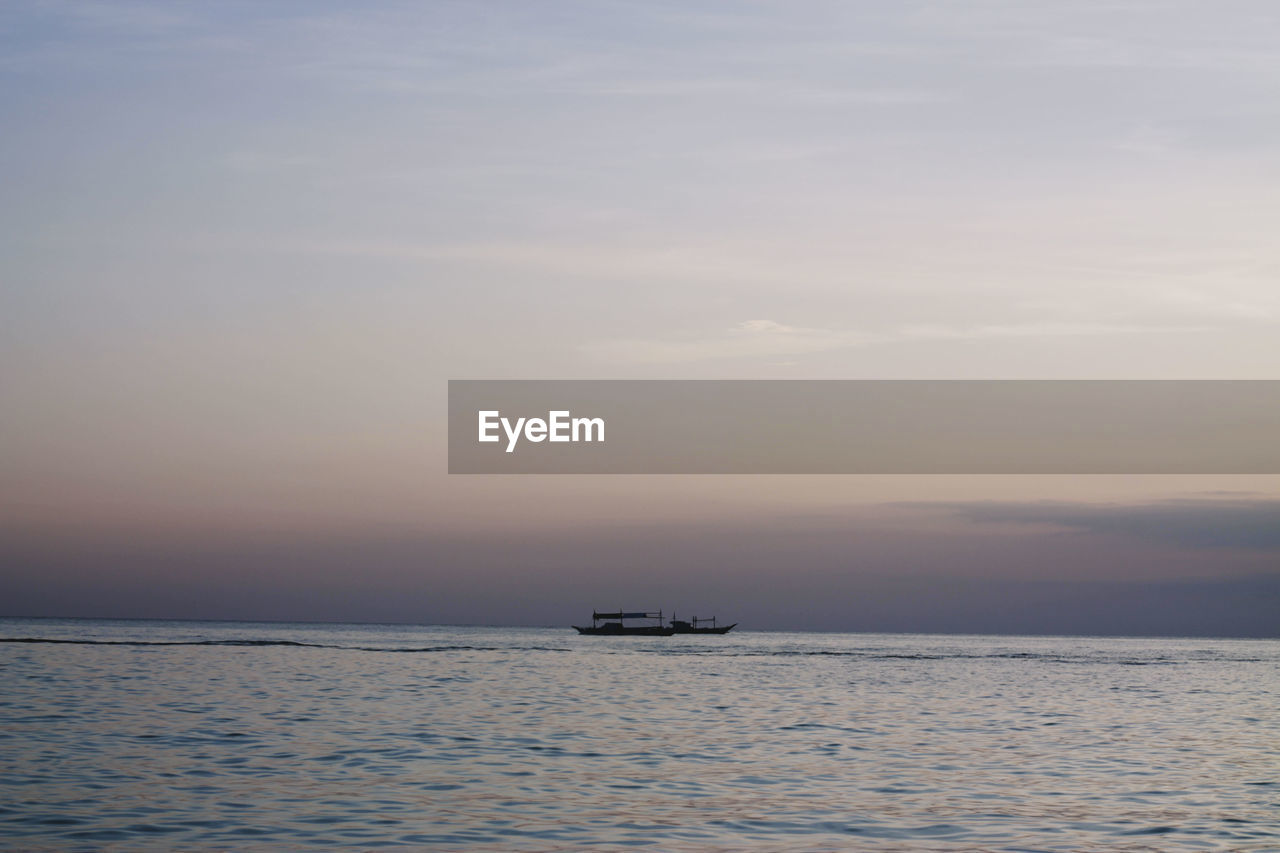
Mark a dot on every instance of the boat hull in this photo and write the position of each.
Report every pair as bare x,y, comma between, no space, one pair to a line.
615,630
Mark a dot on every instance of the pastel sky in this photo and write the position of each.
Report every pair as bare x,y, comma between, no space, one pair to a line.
244,245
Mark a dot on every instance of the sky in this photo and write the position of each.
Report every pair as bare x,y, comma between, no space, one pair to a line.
243,247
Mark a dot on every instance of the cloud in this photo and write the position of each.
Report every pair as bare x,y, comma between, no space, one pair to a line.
768,338
1198,523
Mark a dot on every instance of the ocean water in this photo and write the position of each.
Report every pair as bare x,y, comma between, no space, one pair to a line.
190,736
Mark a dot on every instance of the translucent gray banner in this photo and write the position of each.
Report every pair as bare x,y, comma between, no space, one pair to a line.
864,427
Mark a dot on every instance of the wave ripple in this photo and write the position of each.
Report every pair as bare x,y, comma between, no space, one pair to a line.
159,736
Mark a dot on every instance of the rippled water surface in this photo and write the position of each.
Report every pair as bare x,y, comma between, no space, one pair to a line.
184,735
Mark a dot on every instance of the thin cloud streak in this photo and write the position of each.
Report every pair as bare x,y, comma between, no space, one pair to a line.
1196,523
756,338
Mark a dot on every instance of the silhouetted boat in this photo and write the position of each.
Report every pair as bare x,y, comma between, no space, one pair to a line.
699,626
614,625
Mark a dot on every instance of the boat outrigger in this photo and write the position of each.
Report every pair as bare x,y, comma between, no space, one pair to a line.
614,625
700,626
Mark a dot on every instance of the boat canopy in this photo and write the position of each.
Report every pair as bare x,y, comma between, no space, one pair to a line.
617,614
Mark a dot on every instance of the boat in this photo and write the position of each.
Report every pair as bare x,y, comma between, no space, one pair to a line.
700,626
614,624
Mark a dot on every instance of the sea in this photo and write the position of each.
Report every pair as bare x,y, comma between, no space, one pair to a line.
150,735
